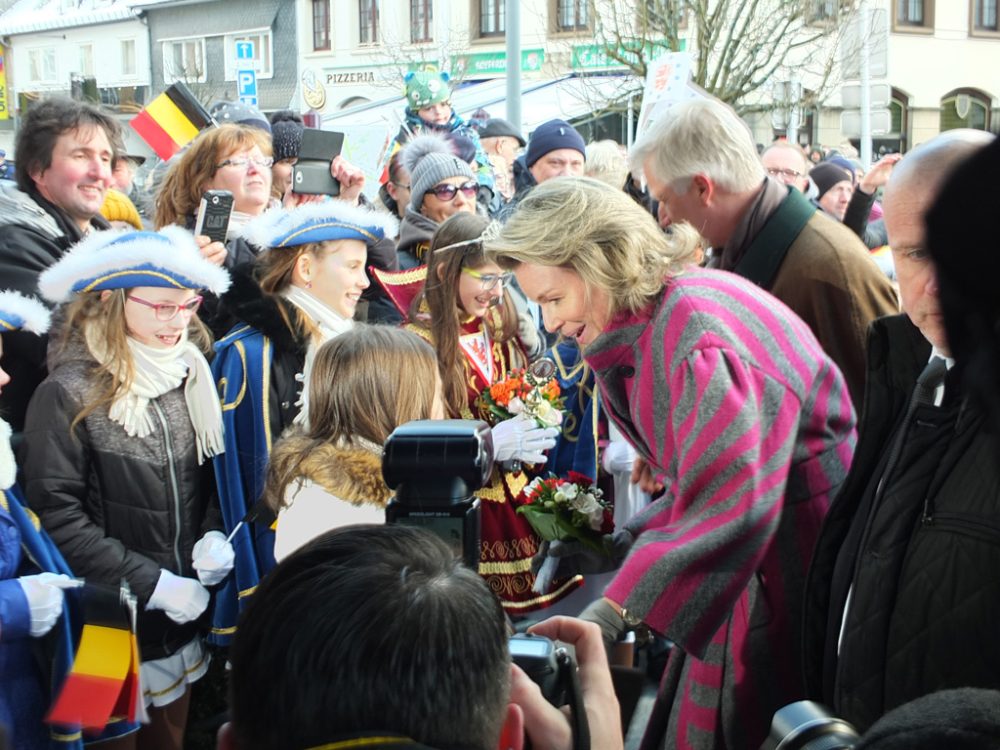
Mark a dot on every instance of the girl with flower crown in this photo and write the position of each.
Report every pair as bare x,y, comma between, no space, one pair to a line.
117,444
301,291
463,311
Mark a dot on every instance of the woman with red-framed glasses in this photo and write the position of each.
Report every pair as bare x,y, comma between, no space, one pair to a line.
441,185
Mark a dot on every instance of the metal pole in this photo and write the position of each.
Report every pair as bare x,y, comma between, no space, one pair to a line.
513,11
865,29
792,131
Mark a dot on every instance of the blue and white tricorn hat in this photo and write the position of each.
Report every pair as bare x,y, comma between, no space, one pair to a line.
169,258
319,222
18,313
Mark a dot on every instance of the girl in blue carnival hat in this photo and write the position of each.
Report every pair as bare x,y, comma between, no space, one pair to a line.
117,441
302,290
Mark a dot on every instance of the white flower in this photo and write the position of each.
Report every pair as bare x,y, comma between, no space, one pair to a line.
597,519
585,503
516,406
546,414
569,491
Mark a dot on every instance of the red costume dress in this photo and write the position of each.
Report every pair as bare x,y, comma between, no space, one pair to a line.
508,542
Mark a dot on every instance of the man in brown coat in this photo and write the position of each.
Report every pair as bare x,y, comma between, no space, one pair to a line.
701,163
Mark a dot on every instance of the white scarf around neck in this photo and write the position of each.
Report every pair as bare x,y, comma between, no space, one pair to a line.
330,323
159,371
8,467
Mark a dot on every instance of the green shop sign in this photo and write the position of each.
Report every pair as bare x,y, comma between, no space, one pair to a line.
495,63
595,56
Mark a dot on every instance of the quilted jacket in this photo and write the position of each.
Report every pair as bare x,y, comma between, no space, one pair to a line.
925,591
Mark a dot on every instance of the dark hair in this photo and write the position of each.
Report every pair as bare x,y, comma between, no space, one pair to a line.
370,628
440,294
45,122
394,164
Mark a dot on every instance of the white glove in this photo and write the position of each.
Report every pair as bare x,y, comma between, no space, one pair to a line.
520,438
212,558
44,593
180,599
618,457
527,332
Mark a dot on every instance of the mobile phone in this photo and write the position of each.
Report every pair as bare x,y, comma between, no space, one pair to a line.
214,211
311,173
314,178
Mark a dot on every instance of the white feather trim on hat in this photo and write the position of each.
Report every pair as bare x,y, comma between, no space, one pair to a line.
34,314
420,147
110,251
265,230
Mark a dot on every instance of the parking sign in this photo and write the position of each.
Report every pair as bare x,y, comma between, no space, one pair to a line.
246,76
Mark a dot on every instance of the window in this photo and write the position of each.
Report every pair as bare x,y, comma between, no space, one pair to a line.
572,15
262,53
421,20
321,24
822,10
184,60
965,108
86,67
910,12
42,65
984,15
491,17
913,15
128,57
368,12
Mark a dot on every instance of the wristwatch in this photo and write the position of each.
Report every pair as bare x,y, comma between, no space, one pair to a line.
634,624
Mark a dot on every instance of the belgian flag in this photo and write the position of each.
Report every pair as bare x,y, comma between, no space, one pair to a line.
171,121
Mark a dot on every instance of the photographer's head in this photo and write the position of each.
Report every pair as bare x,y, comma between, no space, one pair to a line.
371,628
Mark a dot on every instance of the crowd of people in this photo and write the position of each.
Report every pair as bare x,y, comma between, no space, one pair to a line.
805,495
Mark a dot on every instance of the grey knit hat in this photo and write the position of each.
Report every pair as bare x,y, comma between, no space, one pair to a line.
429,160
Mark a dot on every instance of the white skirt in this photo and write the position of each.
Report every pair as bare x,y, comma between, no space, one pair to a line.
164,680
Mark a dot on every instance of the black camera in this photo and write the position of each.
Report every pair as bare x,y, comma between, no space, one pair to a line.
541,661
809,726
434,466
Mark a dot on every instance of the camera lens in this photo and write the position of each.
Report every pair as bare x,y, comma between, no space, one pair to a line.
809,726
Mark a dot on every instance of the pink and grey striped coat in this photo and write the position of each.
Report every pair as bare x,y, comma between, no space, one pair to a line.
726,393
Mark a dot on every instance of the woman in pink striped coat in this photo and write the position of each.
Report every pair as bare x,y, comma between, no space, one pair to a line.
733,406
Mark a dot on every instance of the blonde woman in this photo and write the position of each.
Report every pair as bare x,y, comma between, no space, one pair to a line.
117,445
302,290
365,383
734,409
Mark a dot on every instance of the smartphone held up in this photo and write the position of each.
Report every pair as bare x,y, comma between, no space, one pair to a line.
311,173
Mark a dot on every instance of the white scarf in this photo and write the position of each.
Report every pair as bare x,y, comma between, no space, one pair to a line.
159,371
330,325
8,467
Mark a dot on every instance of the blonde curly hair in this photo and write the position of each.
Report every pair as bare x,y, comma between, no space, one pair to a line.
588,227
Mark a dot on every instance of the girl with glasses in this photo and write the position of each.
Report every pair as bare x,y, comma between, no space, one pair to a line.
441,185
302,290
118,442
465,312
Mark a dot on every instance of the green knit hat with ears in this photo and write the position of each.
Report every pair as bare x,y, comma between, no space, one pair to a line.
426,87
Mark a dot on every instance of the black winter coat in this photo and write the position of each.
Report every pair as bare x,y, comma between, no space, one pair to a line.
925,579
34,234
118,506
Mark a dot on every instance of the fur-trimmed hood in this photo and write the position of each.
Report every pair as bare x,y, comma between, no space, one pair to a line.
247,302
353,474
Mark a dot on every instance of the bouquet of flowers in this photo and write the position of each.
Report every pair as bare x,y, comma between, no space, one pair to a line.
522,392
563,510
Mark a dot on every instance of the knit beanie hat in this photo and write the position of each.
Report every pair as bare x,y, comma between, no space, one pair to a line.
118,207
429,160
286,134
825,175
425,87
552,136
242,114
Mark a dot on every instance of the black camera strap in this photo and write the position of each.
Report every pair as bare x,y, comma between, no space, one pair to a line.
574,698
